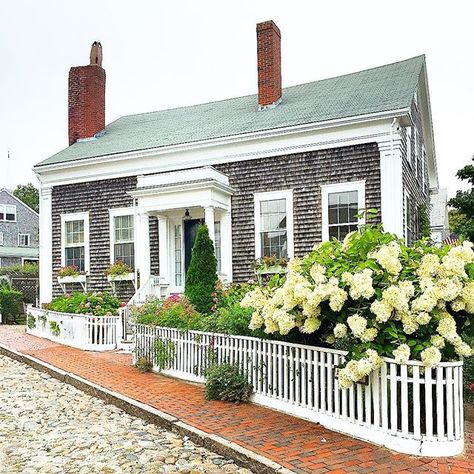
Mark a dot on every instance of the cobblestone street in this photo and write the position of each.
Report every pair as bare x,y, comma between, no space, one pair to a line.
47,426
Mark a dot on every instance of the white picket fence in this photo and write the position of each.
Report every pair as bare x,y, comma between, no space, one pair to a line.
407,408
89,333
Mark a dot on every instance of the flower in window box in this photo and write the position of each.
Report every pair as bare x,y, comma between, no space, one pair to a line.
70,271
270,264
120,271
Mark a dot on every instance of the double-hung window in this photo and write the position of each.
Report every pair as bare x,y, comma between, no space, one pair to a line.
341,205
75,240
123,239
23,240
7,212
274,224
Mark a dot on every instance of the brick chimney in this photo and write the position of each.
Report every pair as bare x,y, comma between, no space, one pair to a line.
86,101
269,64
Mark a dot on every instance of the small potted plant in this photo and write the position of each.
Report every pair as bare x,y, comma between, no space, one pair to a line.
270,265
120,271
71,274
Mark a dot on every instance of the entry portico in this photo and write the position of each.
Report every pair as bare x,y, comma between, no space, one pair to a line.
181,200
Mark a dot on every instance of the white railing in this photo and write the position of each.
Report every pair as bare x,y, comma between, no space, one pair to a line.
153,287
89,333
408,408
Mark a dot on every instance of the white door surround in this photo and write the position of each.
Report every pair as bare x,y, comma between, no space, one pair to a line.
202,193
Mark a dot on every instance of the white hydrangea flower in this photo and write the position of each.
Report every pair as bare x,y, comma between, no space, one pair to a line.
256,321
369,335
382,310
449,288
429,266
437,341
337,299
423,318
330,339
431,356
361,285
462,349
458,304
468,297
357,324
396,298
409,323
310,325
340,331
388,258
447,327
318,273
294,265
402,354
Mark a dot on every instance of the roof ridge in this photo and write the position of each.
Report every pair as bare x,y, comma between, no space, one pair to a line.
421,56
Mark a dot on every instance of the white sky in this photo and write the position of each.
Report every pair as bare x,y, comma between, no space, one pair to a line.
162,54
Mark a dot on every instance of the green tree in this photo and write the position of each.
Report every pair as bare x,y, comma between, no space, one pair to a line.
201,277
28,194
463,203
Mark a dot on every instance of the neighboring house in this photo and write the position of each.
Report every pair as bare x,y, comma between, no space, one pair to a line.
439,218
19,226
270,174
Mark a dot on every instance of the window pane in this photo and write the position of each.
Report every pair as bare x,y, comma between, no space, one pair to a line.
125,253
74,232
333,216
75,256
344,214
353,211
123,228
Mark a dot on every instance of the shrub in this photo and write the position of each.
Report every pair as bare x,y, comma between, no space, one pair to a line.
164,352
31,321
201,277
143,365
174,312
96,304
227,382
10,302
382,297
469,379
28,269
119,268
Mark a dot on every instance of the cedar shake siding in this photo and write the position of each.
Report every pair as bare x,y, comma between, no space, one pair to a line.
304,173
415,173
95,197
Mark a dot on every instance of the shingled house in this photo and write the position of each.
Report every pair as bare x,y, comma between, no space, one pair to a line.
270,174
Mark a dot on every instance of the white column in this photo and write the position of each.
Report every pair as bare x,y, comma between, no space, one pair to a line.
163,236
46,244
209,218
142,246
226,245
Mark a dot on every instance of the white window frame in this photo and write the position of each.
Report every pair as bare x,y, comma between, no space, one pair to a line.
327,189
1,239
3,208
76,216
122,211
24,235
268,196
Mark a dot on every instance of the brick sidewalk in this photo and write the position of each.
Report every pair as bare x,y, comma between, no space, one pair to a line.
298,445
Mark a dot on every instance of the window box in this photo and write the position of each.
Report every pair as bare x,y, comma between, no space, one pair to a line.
272,269
122,277
72,279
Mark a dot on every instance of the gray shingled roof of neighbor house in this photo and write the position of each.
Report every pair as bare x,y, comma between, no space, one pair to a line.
376,90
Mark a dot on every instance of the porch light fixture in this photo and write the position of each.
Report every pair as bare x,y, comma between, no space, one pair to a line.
187,215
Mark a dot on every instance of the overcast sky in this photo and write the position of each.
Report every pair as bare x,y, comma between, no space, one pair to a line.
162,54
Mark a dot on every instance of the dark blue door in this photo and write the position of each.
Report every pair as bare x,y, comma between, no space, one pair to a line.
190,231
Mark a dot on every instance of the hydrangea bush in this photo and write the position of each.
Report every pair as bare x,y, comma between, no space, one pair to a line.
374,296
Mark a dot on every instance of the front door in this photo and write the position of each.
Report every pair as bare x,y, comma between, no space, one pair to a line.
190,232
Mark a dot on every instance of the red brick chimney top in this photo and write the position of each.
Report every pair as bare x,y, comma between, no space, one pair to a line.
269,64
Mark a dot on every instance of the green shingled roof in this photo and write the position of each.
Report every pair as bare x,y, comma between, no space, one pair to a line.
381,89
